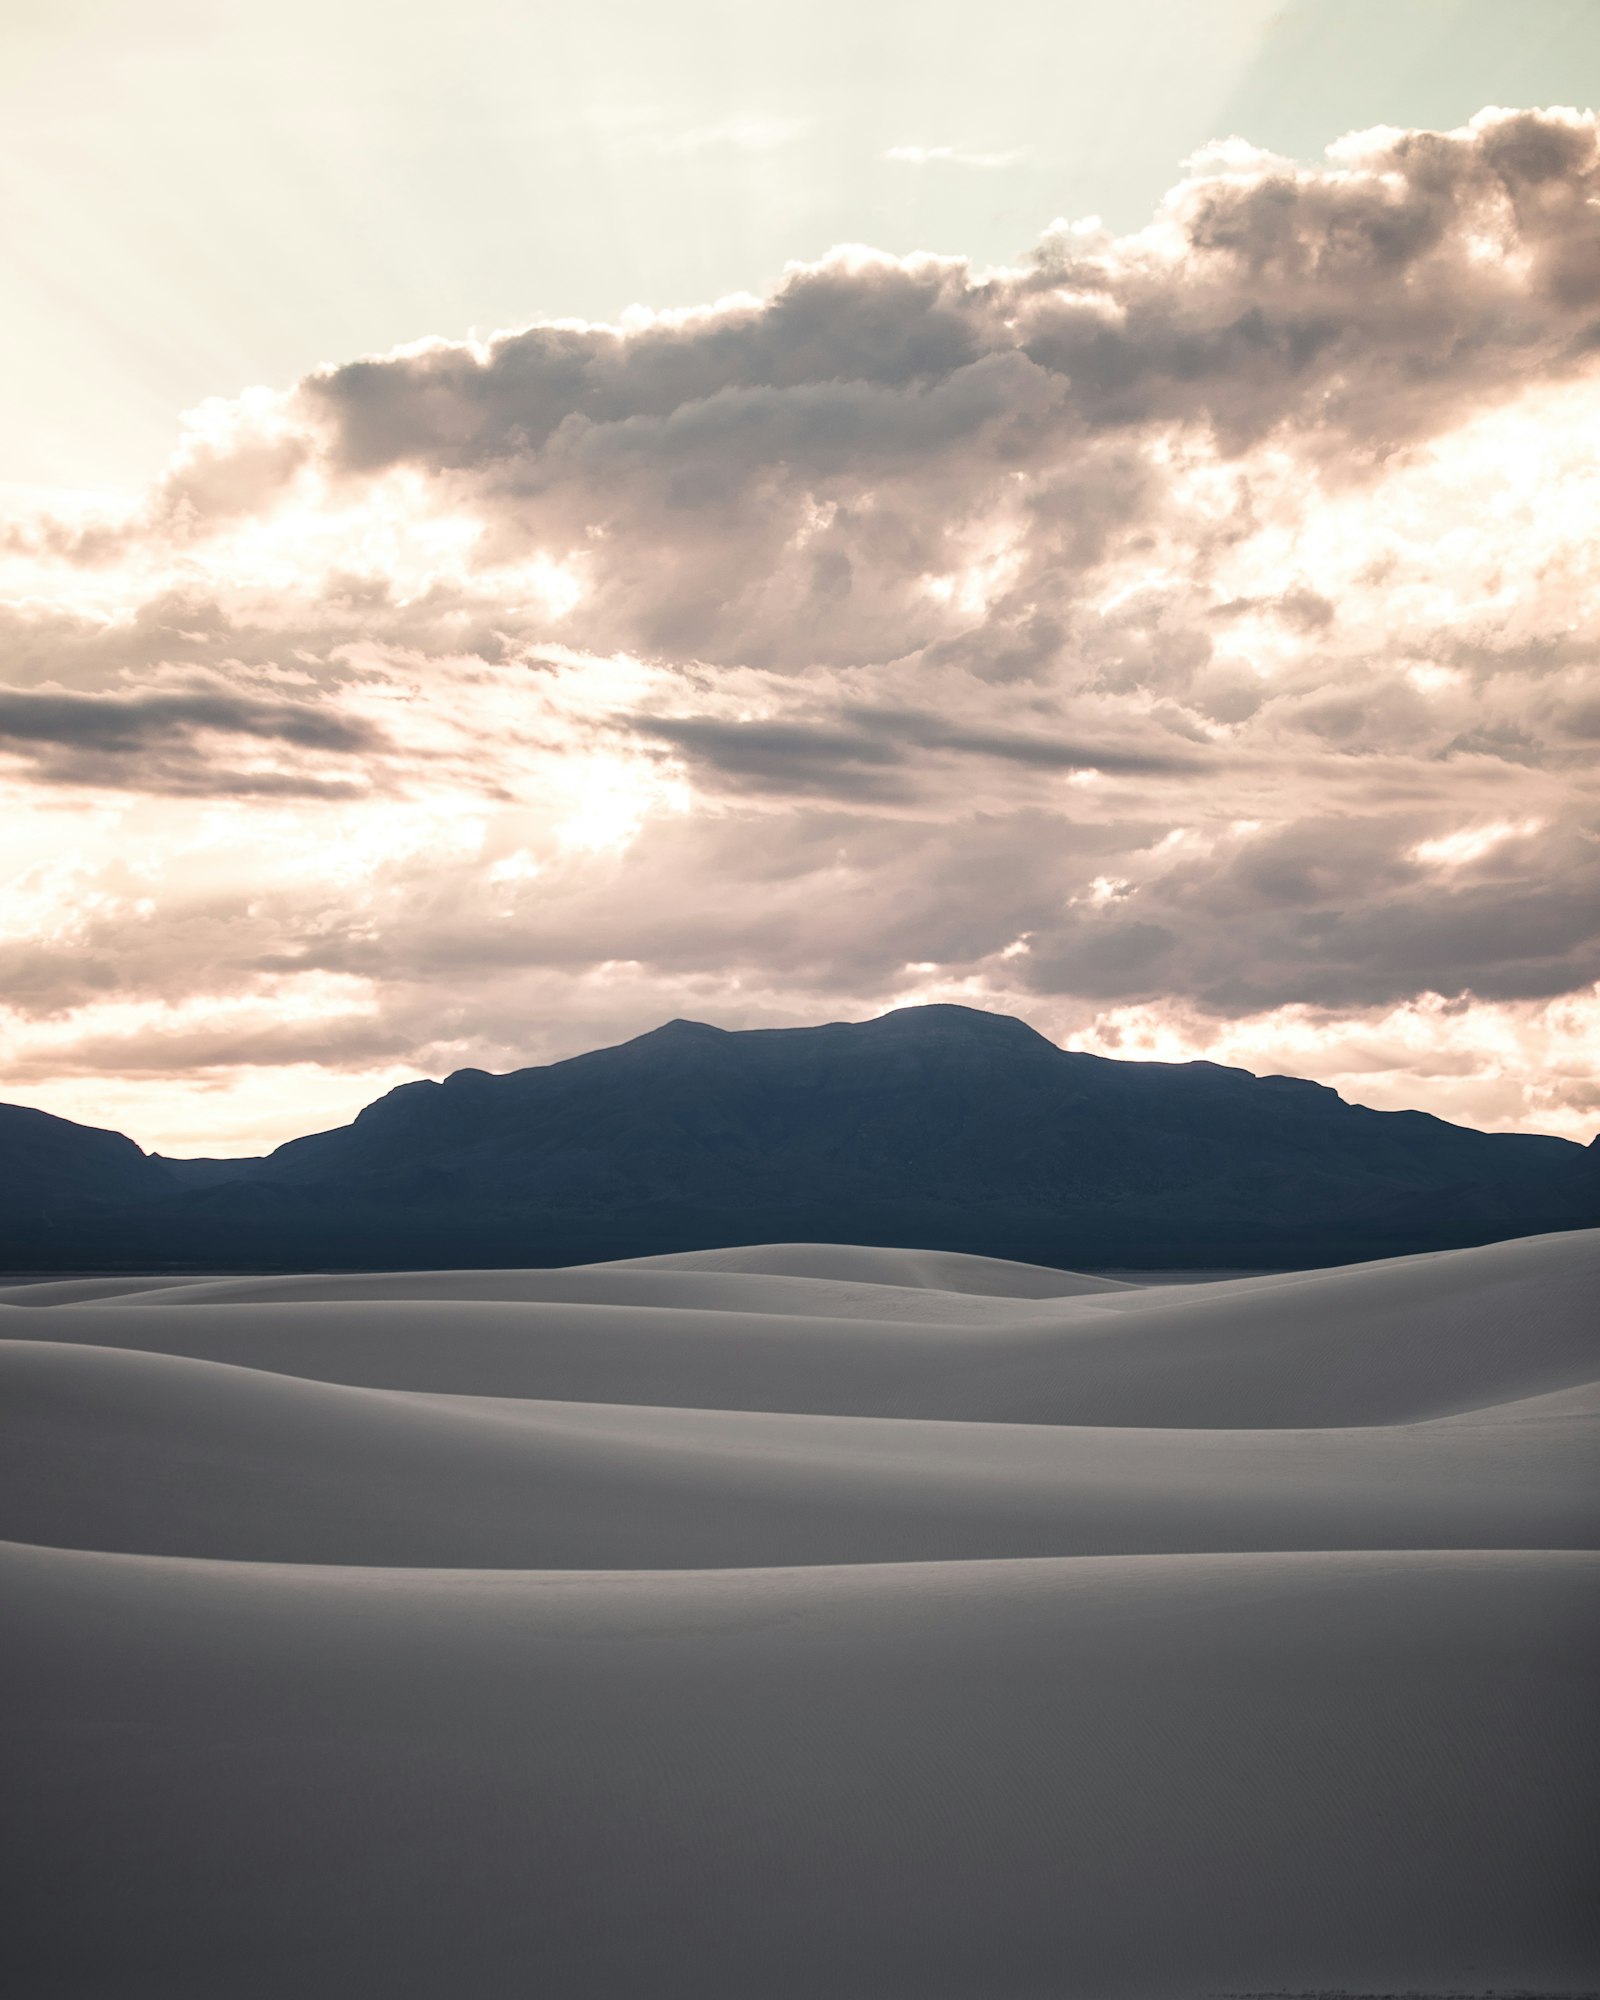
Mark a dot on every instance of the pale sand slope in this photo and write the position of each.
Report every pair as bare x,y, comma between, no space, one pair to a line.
106,1449
815,1622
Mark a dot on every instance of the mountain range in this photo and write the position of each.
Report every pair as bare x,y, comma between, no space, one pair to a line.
934,1127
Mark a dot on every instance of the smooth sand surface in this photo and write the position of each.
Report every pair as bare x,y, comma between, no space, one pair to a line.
146,1453
805,1620
1394,1342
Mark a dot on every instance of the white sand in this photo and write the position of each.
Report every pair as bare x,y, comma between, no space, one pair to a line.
804,1621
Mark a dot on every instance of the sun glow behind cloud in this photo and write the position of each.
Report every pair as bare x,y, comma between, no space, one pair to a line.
1496,1065
1455,850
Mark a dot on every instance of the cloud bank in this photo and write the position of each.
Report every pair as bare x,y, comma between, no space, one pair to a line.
1187,640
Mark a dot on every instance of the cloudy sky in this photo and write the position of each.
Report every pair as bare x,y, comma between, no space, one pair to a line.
524,521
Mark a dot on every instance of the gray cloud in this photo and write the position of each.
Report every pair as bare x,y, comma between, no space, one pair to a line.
122,724
91,739
850,761
307,636
1038,751
1337,913
782,756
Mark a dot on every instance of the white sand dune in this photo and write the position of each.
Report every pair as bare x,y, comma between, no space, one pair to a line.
829,1269
928,1270
102,1448
804,1621
1370,1344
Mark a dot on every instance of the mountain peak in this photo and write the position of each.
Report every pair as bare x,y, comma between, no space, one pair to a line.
946,1020
679,1029
935,1024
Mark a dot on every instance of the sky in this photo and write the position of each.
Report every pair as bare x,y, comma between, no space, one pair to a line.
520,522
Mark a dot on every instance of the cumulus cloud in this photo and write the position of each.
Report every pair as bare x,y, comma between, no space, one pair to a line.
1190,637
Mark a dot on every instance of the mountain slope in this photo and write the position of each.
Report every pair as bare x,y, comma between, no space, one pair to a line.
52,1167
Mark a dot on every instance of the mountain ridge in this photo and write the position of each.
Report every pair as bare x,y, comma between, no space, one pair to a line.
942,1127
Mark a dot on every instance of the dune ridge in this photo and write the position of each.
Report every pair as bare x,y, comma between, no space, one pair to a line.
805,1620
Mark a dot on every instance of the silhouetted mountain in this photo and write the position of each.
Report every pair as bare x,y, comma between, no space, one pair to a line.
940,1127
203,1173
52,1167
